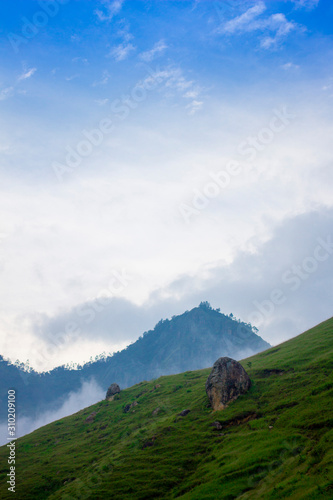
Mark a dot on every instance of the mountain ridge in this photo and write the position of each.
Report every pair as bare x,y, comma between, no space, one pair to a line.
188,341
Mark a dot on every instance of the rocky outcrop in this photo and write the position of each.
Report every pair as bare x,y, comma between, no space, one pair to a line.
226,382
112,391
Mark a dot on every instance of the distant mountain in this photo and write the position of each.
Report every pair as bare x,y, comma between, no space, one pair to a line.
190,341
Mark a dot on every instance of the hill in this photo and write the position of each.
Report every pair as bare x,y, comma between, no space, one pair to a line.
274,442
189,341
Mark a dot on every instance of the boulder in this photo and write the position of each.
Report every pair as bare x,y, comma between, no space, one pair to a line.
112,391
226,382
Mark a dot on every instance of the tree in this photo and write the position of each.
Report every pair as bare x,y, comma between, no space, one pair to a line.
205,305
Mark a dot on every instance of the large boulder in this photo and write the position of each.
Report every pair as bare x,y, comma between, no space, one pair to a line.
112,391
226,382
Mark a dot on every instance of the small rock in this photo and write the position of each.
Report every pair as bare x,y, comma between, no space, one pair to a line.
156,411
112,391
184,413
129,406
217,425
149,442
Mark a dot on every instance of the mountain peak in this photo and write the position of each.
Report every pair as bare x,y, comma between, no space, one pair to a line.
190,341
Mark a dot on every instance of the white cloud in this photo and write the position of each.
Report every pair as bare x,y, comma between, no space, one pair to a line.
176,82
285,262
82,60
280,25
5,93
246,21
72,77
104,80
158,48
9,91
122,51
101,102
289,66
328,85
191,94
124,32
243,286
276,26
112,8
307,4
194,106
27,74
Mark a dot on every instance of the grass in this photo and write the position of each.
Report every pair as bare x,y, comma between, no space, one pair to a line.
275,442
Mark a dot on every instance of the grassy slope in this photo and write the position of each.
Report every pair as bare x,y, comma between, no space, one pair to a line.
276,440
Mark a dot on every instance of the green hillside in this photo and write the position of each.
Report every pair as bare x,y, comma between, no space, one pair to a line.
275,441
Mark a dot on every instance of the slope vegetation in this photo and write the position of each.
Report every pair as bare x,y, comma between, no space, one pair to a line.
274,442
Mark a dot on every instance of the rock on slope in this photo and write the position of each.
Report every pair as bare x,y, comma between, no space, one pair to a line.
226,382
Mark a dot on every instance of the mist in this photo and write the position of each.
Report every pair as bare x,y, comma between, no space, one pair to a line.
89,393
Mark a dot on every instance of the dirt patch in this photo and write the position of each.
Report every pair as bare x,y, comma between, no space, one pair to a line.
238,420
149,442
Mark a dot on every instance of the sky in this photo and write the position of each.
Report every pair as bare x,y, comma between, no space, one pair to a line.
157,154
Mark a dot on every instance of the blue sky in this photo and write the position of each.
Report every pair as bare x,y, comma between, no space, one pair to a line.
169,142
